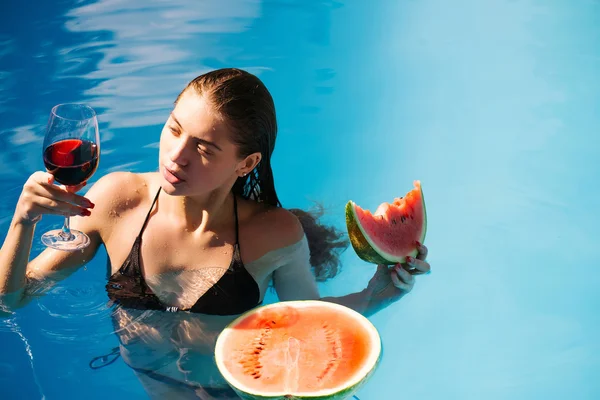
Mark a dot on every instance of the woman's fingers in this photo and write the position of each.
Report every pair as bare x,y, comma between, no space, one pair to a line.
49,206
398,283
73,189
40,196
61,194
405,275
402,279
422,251
417,266
42,183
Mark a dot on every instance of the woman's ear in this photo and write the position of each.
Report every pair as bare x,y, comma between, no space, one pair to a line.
248,164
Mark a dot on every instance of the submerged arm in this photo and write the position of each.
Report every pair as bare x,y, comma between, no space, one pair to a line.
388,285
294,280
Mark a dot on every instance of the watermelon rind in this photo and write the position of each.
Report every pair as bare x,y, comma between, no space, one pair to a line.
344,392
366,249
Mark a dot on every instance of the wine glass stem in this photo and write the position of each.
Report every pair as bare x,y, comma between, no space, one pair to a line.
66,230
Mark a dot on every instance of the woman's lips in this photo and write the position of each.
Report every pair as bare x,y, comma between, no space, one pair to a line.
171,177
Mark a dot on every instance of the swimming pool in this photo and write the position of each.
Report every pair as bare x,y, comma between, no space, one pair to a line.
492,105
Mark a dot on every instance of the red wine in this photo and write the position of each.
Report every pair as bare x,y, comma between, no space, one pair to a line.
71,161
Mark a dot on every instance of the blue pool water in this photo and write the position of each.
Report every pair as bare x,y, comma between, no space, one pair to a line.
492,104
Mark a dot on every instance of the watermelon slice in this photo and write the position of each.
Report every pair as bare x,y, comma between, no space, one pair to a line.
390,234
306,349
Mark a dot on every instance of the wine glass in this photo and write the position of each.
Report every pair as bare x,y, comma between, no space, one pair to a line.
71,154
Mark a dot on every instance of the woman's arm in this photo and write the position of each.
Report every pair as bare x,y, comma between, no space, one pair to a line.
294,281
21,279
388,285
385,287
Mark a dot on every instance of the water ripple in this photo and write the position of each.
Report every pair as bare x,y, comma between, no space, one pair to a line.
89,302
83,312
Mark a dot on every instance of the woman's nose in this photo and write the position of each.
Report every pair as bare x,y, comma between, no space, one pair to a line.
178,153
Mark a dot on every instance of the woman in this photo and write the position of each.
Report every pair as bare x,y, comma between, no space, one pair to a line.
196,243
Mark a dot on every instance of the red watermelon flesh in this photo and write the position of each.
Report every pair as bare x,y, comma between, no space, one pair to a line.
298,350
390,234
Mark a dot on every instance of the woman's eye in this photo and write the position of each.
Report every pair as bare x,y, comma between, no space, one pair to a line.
203,150
174,131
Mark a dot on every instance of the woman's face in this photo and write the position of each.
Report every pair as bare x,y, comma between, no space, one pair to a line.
196,154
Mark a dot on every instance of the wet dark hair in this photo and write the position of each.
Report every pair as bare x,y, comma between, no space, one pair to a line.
245,104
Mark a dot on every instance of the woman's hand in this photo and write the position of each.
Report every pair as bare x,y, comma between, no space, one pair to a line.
389,284
40,196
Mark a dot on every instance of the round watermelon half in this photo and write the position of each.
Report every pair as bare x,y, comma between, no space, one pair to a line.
390,234
306,349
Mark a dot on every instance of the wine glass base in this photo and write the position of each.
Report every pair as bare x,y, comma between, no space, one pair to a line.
56,240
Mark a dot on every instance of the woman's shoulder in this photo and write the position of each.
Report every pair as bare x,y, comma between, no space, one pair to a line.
118,192
268,227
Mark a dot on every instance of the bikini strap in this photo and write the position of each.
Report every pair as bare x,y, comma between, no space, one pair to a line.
148,215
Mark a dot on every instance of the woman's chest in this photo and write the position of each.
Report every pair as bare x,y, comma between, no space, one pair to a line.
181,268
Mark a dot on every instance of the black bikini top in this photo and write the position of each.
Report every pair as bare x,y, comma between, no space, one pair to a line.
234,293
